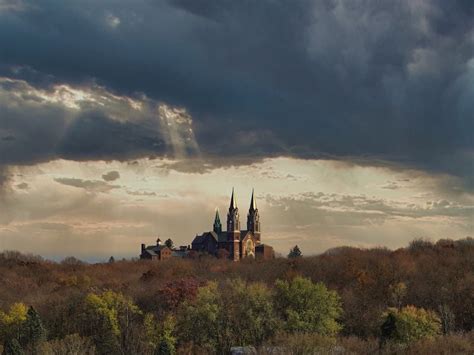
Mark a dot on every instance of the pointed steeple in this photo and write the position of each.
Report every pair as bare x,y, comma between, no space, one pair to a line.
233,202
253,218
253,203
233,223
217,222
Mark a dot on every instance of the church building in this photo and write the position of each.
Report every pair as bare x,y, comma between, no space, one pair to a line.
234,243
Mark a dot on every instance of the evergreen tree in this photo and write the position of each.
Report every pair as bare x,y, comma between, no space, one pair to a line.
111,260
12,347
34,329
295,252
165,348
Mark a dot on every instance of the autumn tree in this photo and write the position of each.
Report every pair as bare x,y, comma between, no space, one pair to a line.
175,292
305,306
11,323
70,344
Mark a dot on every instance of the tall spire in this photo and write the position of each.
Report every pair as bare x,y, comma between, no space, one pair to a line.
233,223
253,204
233,202
217,218
253,218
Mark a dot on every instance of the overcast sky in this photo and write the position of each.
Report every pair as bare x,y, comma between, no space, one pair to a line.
121,121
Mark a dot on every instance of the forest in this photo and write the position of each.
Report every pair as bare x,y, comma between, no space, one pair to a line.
413,300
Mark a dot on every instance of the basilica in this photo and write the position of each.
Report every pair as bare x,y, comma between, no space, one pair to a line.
234,243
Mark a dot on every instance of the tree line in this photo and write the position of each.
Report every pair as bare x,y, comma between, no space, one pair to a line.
416,299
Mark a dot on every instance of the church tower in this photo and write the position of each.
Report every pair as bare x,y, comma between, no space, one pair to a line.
253,218
233,229
217,223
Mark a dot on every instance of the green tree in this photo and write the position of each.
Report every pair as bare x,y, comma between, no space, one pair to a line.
12,347
295,252
308,307
169,243
409,324
248,313
34,332
237,314
110,317
160,336
199,319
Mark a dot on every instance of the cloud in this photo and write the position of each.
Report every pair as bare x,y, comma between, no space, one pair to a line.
90,185
22,186
85,123
111,176
378,82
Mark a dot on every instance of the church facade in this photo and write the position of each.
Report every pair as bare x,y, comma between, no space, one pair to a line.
234,243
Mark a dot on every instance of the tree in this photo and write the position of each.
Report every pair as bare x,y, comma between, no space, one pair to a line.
169,243
295,252
35,332
248,313
398,292
11,323
160,335
305,306
70,344
175,292
409,324
12,347
199,319
110,317
111,260
238,314
167,345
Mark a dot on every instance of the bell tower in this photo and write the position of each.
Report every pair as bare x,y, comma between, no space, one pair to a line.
253,218
233,229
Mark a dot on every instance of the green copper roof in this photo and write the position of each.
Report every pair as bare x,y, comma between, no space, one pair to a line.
217,219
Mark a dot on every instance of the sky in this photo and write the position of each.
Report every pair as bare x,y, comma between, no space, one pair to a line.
123,121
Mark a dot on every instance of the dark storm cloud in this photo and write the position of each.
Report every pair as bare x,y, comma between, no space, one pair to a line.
365,80
40,127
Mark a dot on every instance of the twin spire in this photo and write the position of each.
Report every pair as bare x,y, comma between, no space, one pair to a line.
233,206
233,223
233,201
